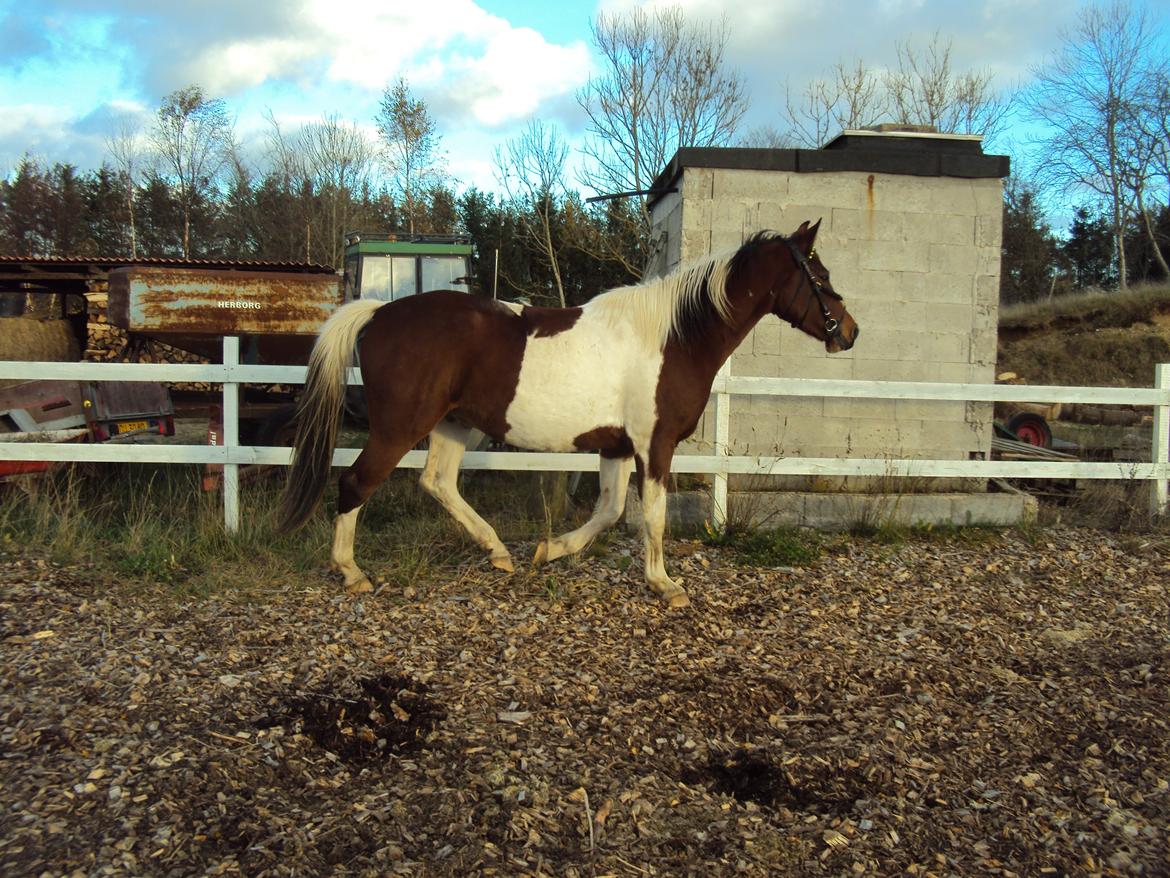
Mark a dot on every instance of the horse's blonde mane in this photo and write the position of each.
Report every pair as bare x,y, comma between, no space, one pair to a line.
658,308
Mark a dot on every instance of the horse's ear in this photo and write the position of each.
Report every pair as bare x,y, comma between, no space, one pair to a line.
812,234
805,235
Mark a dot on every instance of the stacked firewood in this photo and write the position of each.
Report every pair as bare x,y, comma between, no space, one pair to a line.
110,342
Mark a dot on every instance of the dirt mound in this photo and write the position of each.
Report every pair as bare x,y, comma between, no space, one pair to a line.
1089,358
388,714
1100,339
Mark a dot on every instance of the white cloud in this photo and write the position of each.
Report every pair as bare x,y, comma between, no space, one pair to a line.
467,62
246,64
47,133
515,74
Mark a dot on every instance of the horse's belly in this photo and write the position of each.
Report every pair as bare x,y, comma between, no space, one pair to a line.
548,413
569,387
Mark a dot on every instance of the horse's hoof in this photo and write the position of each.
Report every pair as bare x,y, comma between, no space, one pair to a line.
362,586
504,563
679,600
541,555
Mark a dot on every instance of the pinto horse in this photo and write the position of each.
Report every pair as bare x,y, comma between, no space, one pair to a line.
627,375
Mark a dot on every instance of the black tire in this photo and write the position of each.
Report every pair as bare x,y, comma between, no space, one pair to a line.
1031,428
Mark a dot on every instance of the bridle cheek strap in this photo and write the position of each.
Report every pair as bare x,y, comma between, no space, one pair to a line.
817,290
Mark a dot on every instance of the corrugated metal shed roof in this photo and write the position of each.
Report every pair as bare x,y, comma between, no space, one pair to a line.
78,274
102,264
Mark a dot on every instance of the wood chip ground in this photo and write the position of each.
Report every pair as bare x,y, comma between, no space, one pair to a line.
934,707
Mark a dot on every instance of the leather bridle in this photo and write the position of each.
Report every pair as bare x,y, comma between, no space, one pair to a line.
818,290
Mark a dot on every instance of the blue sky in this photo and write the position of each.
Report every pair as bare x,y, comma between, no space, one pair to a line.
71,69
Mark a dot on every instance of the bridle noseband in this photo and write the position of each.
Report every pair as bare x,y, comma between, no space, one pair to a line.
832,325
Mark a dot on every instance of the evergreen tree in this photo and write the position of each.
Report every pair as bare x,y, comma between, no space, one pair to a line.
1029,249
1143,263
66,211
106,217
1088,252
160,220
26,225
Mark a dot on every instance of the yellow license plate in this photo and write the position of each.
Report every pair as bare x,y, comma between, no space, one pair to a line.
133,426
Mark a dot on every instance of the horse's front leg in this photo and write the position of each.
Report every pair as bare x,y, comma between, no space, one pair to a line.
611,502
653,527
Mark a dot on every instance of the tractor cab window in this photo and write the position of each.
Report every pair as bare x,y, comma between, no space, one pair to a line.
444,273
375,279
403,280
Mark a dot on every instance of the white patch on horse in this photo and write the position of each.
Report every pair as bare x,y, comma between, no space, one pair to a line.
596,374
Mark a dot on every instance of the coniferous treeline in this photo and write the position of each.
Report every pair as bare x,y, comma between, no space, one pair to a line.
60,211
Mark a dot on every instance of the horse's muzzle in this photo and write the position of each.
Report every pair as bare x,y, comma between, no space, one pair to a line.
844,340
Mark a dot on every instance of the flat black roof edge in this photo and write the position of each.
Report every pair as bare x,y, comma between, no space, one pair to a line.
965,164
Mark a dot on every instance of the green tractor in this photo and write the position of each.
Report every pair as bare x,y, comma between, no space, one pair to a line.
393,266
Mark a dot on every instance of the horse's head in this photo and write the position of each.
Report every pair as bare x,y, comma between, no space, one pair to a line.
804,294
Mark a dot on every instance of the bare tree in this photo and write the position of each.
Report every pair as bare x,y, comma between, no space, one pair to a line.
850,97
768,137
338,158
664,85
531,171
126,149
192,139
412,146
287,161
926,90
1145,157
1084,96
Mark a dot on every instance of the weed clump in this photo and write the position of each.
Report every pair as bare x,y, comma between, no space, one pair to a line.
783,547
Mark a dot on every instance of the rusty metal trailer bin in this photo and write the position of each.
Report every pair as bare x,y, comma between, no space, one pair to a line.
276,313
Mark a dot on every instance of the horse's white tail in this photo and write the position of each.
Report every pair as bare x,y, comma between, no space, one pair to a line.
319,410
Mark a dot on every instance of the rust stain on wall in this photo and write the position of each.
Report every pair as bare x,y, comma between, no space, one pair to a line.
869,205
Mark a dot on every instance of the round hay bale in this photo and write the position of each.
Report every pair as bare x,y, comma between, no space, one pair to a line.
29,339
24,338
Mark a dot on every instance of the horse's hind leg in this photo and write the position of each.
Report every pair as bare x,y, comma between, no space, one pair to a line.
615,478
373,465
440,480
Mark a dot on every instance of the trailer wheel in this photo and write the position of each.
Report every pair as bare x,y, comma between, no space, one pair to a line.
1031,428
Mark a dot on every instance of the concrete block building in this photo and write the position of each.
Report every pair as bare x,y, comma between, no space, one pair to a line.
911,227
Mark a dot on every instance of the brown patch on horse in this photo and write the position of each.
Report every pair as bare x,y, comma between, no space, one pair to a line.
612,442
545,322
688,369
469,349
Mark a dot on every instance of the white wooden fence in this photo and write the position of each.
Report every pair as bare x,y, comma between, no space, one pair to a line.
231,374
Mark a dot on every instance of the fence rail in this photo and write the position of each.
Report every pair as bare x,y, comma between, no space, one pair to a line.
720,464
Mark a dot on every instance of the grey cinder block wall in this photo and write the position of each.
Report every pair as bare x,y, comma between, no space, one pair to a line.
911,229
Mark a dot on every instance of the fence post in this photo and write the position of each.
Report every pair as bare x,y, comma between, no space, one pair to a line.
722,437
231,435
1160,448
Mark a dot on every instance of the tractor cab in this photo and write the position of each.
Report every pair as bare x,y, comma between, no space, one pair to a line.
392,266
